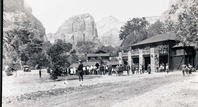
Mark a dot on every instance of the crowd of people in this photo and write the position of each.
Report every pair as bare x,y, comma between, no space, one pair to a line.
163,68
104,69
140,68
187,69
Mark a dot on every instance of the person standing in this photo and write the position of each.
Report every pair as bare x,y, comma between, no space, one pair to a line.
110,70
183,69
190,68
97,68
40,73
140,68
80,70
143,68
167,69
149,69
133,68
128,69
137,68
106,69
39,68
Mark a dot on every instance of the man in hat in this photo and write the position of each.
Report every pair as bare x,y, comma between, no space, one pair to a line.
149,69
80,70
183,69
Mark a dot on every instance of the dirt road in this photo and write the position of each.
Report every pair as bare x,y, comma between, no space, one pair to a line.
136,90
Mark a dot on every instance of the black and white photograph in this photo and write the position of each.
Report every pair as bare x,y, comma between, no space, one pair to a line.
99,53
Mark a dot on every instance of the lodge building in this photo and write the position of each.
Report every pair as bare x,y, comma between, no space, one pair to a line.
99,54
161,49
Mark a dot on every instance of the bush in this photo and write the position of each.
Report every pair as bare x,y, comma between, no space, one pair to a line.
53,76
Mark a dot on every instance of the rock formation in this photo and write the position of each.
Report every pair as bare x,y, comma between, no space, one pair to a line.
77,28
108,31
175,8
17,15
152,19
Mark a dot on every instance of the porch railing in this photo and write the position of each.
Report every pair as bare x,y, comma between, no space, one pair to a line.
133,53
146,52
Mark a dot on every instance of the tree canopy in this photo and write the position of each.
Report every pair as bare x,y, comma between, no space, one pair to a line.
58,54
187,27
135,27
23,44
86,46
109,49
133,31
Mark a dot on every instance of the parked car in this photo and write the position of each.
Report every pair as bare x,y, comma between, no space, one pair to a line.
9,71
26,68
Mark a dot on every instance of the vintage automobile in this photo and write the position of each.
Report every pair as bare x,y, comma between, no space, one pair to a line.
26,68
9,70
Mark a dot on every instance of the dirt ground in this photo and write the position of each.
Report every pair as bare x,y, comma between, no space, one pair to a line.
142,90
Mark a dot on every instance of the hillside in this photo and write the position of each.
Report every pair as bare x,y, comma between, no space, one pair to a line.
108,31
20,27
175,8
77,28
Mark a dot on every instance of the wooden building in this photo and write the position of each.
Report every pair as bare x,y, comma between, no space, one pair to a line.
160,49
99,54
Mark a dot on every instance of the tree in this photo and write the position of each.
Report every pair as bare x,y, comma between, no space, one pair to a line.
156,28
59,58
86,46
21,41
135,27
160,27
187,26
73,58
108,49
133,31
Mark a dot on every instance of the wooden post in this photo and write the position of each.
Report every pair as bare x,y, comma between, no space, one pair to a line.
183,53
168,56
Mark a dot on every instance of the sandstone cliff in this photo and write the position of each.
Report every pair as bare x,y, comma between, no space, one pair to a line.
77,28
108,31
17,16
175,8
19,13
109,28
152,19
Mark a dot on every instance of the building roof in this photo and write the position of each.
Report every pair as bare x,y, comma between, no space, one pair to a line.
96,55
158,38
100,51
113,63
84,64
74,65
89,63
179,45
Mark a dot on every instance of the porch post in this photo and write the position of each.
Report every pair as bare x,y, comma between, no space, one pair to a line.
152,56
129,59
140,58
120,57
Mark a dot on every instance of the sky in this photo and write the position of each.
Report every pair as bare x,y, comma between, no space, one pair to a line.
52,13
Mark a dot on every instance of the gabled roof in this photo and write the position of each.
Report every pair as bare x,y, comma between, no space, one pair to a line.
113,63
158,38
180,45
100,51
89,63
74,65
97,55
